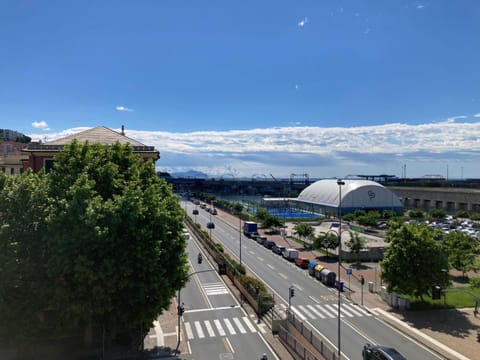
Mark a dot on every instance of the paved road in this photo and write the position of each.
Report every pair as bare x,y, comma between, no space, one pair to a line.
314,303
215,325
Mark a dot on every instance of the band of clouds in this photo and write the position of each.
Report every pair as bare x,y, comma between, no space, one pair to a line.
256,150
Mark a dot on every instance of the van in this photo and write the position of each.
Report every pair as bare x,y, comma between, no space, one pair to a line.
302,262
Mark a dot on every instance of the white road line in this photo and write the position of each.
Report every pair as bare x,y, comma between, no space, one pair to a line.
333,310
260,258
308,313
283,276
249,324
319,307
219,327
298,287
251,252
229,326
229,345
209,327
239,325
319,314
270,266
352,309
188,330
311,297
298,313
360,309
262,328
342,310
199,329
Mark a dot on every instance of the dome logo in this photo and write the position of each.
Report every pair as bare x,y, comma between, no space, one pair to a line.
371,194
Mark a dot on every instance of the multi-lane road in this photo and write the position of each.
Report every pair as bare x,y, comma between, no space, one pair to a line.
215,325
314,303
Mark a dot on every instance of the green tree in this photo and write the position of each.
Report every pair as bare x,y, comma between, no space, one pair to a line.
356,244
462,251
416,214
413,261
272,221
305,231
437,214
118,254
369,219
24,287
462,214
261,215
326,241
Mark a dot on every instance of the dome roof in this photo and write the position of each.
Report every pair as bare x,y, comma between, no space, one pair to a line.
355,193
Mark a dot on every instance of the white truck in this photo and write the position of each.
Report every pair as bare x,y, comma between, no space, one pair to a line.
290,254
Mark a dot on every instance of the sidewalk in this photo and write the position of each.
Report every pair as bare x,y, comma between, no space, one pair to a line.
452,334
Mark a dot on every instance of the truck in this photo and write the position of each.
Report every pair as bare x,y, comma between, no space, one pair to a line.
250,229
290,254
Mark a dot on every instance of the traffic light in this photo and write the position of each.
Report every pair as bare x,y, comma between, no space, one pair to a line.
292,291
436,292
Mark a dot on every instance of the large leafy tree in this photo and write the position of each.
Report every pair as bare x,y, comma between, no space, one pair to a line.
413,261
117,251
305,231
102,235
24,287
462,250
356,243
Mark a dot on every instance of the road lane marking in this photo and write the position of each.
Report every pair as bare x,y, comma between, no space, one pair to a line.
260,258
209,327
249,324
333,310
308,313
215,289
188,330
230,327
228,345
298,313
199,329
311,297
298,287
218,324
319,314
239,325
251,252
342,310
352,309
270,266
283,276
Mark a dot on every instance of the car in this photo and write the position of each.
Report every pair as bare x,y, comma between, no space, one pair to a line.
278,249
213,211
375,352
261,239
302,262
210,225
269,243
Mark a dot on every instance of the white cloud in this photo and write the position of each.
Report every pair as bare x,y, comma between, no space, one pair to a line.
303,22
40,125
123,108
296,86
477,115
455,118
319,151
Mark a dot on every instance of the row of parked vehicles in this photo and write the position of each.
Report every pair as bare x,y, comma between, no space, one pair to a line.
327,277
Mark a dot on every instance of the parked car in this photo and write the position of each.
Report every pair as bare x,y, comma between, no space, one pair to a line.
269,243
374,352
261,239
302,262
210,225
278,249
213,211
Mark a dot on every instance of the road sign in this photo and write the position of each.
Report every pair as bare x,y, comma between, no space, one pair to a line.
349,271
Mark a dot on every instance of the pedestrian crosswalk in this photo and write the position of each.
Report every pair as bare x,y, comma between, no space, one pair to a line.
215,288
218,327
325,311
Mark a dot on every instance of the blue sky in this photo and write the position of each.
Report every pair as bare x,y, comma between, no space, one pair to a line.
330,88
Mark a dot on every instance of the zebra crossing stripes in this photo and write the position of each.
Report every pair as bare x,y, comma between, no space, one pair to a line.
220,327
324,311
215,289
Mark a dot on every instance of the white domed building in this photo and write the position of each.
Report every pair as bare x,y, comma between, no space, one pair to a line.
323,196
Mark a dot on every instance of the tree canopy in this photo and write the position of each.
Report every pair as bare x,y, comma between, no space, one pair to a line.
106,249
413,261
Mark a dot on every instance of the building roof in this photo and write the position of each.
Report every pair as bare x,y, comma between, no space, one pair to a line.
355,193
97,135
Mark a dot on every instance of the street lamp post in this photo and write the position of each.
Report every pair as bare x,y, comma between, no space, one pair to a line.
339,183
240,234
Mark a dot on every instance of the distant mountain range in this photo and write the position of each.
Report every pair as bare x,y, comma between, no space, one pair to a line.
190,174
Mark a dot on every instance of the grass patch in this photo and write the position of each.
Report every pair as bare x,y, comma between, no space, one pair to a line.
454,299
